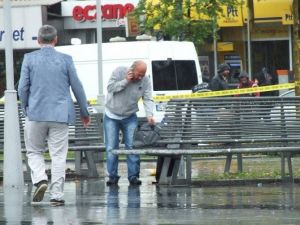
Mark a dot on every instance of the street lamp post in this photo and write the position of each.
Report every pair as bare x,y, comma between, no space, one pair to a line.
13,166
100,98
249,39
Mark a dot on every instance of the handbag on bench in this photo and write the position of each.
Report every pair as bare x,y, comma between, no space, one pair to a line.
146,135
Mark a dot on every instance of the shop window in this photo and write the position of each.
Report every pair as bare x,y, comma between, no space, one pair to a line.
174,75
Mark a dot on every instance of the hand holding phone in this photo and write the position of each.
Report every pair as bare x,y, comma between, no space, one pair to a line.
129,76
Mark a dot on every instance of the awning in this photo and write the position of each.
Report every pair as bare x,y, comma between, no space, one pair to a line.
265,11
273,11
30,2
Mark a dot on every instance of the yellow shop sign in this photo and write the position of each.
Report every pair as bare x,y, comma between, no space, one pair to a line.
232,17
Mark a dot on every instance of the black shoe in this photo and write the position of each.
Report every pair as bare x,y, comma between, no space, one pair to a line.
135,181
112,181
55,202
40,190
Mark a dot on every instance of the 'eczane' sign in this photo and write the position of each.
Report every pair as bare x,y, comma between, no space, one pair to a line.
109,11
83,14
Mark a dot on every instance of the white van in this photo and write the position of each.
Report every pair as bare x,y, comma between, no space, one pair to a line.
173,67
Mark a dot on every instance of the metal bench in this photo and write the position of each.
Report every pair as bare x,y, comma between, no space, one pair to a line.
225,126
87,143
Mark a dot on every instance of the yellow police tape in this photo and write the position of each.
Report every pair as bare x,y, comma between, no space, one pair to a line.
226,92
241,91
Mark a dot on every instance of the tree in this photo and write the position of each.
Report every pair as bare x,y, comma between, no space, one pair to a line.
296,49
192,20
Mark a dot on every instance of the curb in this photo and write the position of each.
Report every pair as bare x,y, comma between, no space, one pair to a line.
239,182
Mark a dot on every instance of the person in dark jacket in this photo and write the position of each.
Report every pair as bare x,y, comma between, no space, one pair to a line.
264,78
220,81
245,82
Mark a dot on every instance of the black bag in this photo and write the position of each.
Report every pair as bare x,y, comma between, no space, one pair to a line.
146,135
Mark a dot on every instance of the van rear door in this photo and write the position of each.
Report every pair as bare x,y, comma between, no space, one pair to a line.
175,70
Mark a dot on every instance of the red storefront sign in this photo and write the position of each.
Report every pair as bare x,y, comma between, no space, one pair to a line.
109,11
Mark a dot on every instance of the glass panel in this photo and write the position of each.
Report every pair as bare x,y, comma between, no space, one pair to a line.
163,75
186,74
174,75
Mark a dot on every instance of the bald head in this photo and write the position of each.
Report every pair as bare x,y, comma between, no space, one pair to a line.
141,65
139,69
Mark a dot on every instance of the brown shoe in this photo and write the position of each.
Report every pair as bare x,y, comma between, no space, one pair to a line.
40,190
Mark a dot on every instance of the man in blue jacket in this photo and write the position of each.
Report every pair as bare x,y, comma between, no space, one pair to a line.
44,91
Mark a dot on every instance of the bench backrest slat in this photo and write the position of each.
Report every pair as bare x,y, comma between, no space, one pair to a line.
231,119
78,135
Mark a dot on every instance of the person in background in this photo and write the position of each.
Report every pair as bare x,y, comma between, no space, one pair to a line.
44,91
264,78
125,88
245,82
220,81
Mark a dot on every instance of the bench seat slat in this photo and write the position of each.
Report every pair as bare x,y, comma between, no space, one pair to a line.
216,151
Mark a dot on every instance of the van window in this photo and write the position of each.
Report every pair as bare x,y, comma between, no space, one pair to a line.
174,75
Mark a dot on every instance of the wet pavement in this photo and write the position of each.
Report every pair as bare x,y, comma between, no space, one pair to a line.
91,202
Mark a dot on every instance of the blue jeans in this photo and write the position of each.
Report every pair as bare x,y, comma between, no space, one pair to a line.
112,128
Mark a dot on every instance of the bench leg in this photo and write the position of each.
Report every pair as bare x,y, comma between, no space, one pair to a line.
188,169
101,164
163,179
282,166
92,168
186,178
78,156
182,168
176,170
290,166
228,163
240,162
290,176
170,170
27,173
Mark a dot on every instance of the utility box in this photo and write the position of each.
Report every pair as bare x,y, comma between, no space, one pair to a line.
283,78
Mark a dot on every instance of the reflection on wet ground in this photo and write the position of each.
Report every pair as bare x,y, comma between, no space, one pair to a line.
91,202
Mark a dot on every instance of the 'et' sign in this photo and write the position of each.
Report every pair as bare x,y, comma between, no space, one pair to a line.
24,32
109,12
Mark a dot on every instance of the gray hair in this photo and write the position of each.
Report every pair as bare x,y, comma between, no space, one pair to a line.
136,63
47,34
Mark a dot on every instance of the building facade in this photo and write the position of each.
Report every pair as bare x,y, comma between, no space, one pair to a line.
263,42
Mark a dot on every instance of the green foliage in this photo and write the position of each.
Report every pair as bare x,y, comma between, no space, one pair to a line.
180,19
258,167
245,175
